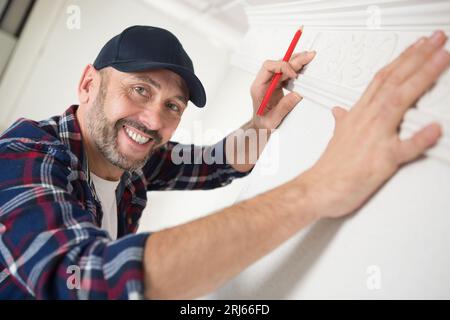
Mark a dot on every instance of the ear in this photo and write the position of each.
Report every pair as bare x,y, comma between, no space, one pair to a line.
88,83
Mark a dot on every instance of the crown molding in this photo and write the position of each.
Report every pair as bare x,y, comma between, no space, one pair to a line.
422,15
351,46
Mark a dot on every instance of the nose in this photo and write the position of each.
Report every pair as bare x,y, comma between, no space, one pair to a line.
152,117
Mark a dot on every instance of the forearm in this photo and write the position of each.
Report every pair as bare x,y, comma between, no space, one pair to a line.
196,258
244,146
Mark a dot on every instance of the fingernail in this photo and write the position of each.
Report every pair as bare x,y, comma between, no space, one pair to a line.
312,53
437,37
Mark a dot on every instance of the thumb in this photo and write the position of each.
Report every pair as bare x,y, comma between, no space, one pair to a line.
415,146
338,113
284,106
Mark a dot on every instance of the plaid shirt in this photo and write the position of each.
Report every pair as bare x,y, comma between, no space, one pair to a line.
51,242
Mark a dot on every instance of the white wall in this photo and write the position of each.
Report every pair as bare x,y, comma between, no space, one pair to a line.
397,244
7,43
42,78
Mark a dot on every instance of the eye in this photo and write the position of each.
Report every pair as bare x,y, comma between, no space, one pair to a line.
140,90
173,107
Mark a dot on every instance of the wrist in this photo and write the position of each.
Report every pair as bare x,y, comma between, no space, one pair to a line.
313,196
304,198
260,130
327,195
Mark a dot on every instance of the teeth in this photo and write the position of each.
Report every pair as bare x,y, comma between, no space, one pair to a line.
136,137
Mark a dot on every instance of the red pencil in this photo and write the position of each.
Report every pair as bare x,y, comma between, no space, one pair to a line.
277,76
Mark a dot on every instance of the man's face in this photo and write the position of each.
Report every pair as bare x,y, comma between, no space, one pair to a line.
134,113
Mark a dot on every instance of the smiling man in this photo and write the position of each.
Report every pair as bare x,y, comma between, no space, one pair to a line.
73,187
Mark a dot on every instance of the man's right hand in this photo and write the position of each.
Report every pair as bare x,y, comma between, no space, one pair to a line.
365,150
195,258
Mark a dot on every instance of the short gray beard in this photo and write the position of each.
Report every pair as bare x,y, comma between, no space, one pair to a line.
104,134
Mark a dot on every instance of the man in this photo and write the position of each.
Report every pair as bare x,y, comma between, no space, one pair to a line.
61,178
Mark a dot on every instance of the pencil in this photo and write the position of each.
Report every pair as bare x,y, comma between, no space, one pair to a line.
277,76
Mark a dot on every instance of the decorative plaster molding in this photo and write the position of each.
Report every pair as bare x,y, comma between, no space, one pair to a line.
367,14
352,43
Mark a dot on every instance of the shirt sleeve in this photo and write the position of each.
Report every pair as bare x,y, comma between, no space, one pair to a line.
179,166
50,245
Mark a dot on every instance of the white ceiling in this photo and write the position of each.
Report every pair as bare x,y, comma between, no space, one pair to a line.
222,21
230,12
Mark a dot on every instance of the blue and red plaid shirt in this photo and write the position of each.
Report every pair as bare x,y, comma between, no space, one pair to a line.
50,218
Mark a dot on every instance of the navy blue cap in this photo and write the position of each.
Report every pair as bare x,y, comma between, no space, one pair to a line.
140,48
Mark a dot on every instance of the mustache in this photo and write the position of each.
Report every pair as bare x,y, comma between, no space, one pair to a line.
141,127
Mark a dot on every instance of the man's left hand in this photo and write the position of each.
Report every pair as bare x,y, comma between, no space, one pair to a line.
279,104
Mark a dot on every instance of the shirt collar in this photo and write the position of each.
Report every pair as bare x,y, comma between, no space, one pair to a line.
70,135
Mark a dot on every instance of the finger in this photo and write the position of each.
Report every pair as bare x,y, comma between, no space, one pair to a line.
415,146
297,62
284,106
271,67
300,59
420,53
410,91
383,74
287,72
297,54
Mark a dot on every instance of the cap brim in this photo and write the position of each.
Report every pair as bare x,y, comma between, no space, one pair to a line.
197,93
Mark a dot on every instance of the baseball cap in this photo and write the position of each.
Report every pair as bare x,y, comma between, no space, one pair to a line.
140,48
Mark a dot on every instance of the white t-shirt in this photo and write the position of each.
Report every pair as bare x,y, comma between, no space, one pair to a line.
106,191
